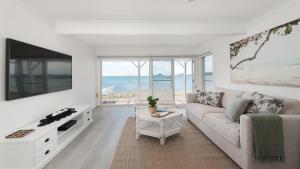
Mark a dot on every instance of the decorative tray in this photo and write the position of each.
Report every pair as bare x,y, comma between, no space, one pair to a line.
20,133
161,114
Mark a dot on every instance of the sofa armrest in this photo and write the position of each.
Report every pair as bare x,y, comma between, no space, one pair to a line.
191,98
291,132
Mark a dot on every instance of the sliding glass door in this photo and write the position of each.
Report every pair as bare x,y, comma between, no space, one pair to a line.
133,80
162,80
183,79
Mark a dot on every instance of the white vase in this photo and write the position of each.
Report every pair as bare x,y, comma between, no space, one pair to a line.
152,110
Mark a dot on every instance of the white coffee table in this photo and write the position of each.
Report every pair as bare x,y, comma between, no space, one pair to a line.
161,127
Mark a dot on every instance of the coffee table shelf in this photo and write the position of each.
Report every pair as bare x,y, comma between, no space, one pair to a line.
160,128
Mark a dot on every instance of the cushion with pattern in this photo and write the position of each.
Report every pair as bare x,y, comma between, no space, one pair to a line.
209,98
264,104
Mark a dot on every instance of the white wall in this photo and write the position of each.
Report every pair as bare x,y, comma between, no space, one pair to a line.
145,50
18,23
220,48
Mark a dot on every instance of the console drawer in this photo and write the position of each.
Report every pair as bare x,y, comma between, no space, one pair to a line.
45,141
45,153
89,119
88,114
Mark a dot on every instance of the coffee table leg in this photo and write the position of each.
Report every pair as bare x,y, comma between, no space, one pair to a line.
137,128
181,131
162,141
180,126
162,137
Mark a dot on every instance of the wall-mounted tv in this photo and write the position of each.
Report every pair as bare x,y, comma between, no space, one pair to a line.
32,70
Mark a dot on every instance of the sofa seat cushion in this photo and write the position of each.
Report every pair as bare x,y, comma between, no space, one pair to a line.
199,110
222,125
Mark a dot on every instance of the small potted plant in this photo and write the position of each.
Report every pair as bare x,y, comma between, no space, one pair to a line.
152,104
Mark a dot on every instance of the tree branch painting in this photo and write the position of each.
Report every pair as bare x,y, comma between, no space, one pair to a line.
236,47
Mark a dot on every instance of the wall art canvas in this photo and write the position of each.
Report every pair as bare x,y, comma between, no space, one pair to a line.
271,57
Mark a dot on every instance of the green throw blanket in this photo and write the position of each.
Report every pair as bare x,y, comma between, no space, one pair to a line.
267,137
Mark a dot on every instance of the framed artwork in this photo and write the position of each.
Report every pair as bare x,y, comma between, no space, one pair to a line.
271,57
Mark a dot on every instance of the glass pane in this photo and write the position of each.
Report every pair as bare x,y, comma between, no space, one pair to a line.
119,87
183,83
179,81
208,78
162,80
189,77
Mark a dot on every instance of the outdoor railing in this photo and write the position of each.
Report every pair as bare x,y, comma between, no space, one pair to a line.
132,97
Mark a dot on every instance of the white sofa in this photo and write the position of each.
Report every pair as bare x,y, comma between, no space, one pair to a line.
236,139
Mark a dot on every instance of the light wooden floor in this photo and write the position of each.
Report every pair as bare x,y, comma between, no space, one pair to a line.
95,147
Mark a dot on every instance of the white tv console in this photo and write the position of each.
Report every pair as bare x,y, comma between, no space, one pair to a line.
35,150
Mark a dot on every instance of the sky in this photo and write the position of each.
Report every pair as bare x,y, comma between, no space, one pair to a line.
127,68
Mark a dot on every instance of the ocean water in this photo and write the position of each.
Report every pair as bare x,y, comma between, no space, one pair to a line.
129,83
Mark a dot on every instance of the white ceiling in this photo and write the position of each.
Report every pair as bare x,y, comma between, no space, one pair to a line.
150,10
143,40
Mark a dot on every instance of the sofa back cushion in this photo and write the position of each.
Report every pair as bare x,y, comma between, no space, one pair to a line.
191,98
228,96
290,107
247,95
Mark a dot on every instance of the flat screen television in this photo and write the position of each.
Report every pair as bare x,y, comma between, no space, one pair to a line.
32,70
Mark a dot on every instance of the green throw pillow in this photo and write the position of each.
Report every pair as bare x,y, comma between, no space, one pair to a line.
237,108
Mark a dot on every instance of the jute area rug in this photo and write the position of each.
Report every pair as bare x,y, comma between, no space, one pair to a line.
192,151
